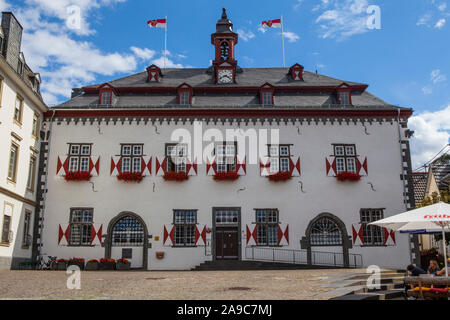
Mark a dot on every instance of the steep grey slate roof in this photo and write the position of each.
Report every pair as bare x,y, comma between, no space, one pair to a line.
420,186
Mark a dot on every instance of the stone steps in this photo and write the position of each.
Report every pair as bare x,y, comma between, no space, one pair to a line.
222,265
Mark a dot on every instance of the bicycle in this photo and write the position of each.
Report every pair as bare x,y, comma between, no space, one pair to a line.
45,262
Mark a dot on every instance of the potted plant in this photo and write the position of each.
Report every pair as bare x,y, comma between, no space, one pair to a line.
231,176
76,262
123,264
348,176
280,176
78,176
159,255
92,265
107,264
130,176
61,264
175,176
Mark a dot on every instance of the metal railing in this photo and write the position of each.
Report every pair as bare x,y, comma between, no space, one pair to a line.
318,258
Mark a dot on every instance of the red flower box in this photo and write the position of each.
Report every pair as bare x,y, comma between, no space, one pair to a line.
175,176
130,176
226,176
280,176
78,176
348,176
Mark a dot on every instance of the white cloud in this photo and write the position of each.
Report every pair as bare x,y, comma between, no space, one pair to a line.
346,18
291,36
169,63
245,35
440,23
432,133
442,6
262,29
144,54
423,20
437,77
298,4
427,90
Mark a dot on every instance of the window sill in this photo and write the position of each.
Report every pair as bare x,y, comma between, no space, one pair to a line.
18,123
25,247
5,244
184,246
10,181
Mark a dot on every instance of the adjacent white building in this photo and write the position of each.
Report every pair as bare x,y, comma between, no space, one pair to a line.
341,161
21,110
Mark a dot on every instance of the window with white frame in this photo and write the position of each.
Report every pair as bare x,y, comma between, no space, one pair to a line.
267,221
184,98
345,155
372,235
26,239
279,156
131,155
35,125
176,155
18,108
13,156
31,173
344,98
79,156
267,98
81,220
106,98
226,157
184,222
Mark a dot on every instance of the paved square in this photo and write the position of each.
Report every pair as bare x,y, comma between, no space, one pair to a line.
189,285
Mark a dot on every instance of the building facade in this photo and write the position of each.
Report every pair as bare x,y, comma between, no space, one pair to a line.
21,112
143,168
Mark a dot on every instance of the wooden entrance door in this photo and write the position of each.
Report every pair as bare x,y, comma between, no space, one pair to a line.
227,244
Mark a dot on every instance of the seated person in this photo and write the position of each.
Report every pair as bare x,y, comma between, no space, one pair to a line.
415,271
442,272
433,269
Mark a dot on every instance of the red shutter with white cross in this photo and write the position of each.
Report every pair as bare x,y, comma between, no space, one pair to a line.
331,166
161,166
94,166
116,166
146,166
191,167
211,166
200,235
62,166
283,234
169,235
251,234
96,234
264,166
358,235
294,165
361,166
389,237
241,165
63,234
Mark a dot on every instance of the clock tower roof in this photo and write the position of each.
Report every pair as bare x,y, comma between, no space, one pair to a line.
224,25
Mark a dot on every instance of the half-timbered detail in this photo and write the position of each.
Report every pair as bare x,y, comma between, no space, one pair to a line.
218,139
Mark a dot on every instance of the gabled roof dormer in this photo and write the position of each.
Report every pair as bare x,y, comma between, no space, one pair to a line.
344,94
106,94
266,94
296,72
185,93
153,73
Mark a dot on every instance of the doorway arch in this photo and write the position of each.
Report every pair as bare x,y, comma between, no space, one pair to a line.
127,229
327,230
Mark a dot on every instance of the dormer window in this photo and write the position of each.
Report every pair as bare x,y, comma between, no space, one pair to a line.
266,95
21,64
184,98
106,94
153,73
344,98
344,95
184,94
296,72
106,98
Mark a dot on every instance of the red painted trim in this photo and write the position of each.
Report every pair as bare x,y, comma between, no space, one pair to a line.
110,112
343,88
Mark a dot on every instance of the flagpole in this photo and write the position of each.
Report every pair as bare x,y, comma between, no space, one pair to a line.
282,40
165,44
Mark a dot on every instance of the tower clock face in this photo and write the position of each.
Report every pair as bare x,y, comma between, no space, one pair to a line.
225,76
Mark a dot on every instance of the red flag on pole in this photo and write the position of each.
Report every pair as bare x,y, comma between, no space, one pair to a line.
272,23
157,23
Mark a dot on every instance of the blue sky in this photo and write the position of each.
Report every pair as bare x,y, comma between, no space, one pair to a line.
406,62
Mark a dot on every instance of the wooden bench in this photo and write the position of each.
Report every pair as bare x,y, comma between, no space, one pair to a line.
426,284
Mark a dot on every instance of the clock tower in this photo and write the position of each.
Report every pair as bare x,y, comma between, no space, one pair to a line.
224,40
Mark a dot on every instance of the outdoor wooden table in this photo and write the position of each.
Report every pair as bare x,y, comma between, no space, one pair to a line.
428,281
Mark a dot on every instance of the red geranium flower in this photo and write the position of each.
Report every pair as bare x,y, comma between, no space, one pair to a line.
280,176
348,176
78,176
226,176
175,176
130,176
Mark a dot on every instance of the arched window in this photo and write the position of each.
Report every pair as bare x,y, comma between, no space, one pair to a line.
224,50
128,231
325,232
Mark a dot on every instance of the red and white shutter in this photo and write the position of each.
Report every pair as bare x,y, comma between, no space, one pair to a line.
357,232
331,166
116,166
211,166
283,234
361,166
146,166
62,166
294,165
264,166
94,166
63,234
191,167
161,166
200,235
241,165
169,234
251,234
389,237
96,234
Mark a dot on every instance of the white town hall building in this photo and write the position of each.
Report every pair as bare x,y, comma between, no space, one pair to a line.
118,184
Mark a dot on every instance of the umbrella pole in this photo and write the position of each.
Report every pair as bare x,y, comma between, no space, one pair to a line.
444,245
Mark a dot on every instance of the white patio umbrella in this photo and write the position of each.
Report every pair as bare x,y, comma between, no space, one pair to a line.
433,218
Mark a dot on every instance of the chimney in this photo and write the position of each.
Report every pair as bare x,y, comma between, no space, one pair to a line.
13,38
